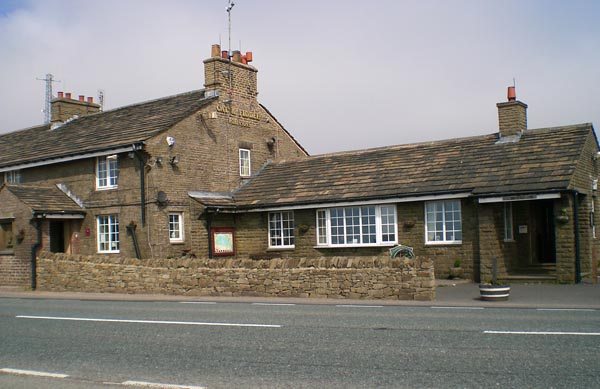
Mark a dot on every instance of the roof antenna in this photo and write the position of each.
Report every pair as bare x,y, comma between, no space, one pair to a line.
230,5
48,98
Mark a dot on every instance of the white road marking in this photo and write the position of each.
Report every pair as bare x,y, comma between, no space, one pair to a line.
157,385
472,308
198,302
189,323
33,373
358,306
566,309
543,333
276,304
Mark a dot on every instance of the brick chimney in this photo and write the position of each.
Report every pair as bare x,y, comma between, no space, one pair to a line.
64,108
230,74
512,115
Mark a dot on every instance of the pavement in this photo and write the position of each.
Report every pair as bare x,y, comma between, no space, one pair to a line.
449,293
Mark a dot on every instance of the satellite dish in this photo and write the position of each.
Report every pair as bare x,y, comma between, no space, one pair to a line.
161,197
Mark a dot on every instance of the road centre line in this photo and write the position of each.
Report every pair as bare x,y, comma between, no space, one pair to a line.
275,304
471,308
33,373
148,321
567,309
157,385
198,302
542,333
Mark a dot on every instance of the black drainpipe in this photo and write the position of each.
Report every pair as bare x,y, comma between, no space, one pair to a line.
577,242
34,248
209,229
131,230
142,187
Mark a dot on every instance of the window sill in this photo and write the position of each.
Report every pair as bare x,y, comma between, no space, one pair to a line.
7,252
456,243
103,188
286,248
109,252
509,241
176,242
349,246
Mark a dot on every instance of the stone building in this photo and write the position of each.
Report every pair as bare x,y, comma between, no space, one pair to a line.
520,201
116,182
212,174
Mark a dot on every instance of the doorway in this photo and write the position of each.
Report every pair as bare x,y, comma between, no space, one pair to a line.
543,239
57,237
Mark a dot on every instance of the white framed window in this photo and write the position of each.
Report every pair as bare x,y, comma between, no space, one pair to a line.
175,227
281,229
443,223
107,172
368,225
509,234
245,163
13,177
108,234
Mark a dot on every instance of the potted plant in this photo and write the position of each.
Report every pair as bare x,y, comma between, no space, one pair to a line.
494,290
456,271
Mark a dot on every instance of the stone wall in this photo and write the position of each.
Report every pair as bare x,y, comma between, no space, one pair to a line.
14,271
334,277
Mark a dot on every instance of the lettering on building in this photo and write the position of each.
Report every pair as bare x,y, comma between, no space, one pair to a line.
239,115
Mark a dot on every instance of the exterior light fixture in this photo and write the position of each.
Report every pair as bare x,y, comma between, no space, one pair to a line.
174,160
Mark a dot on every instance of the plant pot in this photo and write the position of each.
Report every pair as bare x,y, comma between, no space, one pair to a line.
494,292
456,272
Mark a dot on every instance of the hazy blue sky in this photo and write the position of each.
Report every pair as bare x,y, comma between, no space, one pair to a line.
339,75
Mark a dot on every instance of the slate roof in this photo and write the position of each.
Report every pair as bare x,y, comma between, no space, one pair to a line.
101,131
44,199
543,160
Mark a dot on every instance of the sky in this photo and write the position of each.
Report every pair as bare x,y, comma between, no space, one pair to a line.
338,75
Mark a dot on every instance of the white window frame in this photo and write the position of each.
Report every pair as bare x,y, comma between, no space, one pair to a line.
245,165
509,231
13,177
444,223
176,230
107,172
108,233
351,222
281,230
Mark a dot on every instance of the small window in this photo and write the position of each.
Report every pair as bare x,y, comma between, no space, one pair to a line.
245,163
13,177
281,229
176,227
6,236
108,234
443,222
107,172
509,234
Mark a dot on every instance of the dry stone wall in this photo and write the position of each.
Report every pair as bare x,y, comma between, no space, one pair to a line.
352,278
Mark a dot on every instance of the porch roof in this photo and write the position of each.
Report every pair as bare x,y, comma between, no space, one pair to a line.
50,200
542,160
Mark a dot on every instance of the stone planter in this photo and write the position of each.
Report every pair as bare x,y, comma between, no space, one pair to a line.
456,272
490,292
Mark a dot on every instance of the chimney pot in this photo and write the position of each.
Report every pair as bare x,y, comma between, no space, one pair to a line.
225,54
248,56
60,95
81,98
90,100
68,95
237,56
512,94
215,50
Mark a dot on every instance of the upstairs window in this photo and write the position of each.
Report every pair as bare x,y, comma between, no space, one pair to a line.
357,226
13,177
108,234
245,163
176,227
443,222
107,170
281,229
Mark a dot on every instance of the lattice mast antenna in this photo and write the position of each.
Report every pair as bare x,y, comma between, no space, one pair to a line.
230,5
48,97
